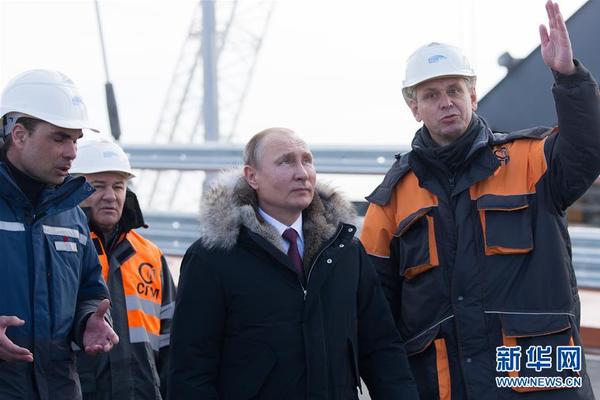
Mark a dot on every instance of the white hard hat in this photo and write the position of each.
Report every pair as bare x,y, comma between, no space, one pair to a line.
436,60
47,95
101,155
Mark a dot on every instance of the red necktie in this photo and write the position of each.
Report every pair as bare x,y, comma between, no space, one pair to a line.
291,236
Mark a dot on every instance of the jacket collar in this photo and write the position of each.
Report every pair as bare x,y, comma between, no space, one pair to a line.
132,217
483,164
480,163
231,204
482,138
54,199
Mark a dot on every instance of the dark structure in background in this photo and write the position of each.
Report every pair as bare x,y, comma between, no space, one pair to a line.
524,98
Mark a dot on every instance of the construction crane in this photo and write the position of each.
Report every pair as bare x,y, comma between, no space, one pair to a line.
111,102
207,91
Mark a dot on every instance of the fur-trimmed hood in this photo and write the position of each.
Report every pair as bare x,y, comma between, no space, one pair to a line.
231,203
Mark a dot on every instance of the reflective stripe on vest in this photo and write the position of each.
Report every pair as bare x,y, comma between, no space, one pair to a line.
142,285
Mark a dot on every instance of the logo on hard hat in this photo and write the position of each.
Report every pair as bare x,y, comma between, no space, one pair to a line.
77,101
109,154
436,58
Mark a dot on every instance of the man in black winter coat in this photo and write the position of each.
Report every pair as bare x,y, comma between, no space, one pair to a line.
469,235
278,300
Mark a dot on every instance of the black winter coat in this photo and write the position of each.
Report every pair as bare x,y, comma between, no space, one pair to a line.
245,327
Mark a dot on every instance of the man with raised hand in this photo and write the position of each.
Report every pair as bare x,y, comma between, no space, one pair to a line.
469,235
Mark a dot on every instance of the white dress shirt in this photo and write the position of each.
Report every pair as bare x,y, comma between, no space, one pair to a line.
279,227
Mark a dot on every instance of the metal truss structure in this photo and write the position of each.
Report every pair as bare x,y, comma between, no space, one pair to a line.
208,88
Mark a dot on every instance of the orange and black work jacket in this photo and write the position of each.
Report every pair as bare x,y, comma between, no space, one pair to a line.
482,259
142,294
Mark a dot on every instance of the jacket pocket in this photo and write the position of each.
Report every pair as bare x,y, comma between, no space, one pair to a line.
415,244
428,358
540,338
506,224
245,366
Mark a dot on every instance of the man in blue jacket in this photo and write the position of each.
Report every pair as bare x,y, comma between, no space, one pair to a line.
51,288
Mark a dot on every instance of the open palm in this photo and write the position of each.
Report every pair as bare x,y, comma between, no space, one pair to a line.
98,336
555,43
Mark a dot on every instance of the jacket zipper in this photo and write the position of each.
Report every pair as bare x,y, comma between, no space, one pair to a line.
305,290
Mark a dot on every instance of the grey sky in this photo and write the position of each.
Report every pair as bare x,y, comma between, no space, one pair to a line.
329,69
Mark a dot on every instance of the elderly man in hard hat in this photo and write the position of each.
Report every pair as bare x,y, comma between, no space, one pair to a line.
51,287
469,234
138,278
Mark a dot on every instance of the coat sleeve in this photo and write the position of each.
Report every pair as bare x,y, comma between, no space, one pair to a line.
382,359
376,235
92,290
166,318
573,153
198,324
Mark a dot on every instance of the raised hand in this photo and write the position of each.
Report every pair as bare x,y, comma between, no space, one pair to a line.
556,45
98,336
8,350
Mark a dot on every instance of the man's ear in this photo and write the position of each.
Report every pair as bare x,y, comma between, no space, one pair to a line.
19,134
473,99
250,175
414,107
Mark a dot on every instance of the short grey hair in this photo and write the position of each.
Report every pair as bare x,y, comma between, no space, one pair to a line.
253,149
410,93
